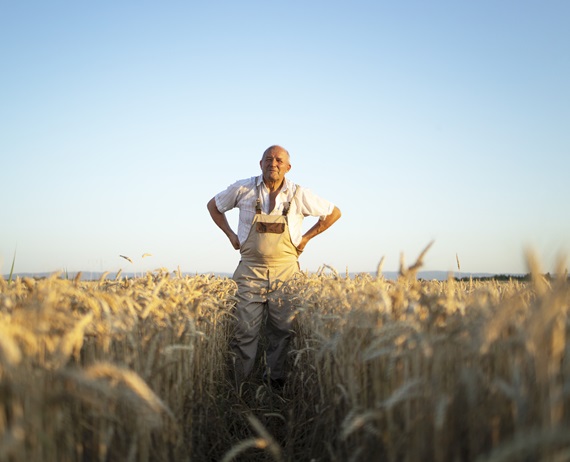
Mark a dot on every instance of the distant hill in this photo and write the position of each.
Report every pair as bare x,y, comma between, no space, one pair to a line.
391,275
96,275
440,275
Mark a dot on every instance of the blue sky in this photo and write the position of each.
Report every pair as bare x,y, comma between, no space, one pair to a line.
421,120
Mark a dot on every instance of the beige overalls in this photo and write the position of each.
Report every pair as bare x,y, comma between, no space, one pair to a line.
268,259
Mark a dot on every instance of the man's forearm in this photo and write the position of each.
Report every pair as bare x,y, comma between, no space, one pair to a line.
219,217
222,222
321,226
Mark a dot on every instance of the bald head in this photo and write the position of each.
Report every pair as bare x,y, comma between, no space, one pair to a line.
275,149
274,164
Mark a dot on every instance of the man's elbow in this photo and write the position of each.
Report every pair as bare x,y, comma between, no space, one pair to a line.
336,213
213,208
333,216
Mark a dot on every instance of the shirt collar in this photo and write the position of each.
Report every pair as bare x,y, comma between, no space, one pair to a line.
285,187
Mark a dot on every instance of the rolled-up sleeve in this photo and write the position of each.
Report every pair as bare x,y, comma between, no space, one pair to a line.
227,199
311,205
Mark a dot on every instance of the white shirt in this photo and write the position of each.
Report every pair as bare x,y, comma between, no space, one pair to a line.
242,194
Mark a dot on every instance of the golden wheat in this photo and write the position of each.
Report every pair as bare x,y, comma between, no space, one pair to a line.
137,369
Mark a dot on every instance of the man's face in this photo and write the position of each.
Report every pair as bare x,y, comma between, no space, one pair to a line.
274,165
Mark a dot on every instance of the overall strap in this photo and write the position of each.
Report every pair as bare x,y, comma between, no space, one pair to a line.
258,201
287,205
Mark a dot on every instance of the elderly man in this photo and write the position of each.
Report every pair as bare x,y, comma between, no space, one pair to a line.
270,240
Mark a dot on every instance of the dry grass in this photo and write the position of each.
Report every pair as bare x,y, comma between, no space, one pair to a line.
407,370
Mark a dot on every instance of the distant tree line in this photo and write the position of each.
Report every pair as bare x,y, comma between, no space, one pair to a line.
509,277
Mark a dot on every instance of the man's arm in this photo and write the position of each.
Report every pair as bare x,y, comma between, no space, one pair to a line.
222,222
319,227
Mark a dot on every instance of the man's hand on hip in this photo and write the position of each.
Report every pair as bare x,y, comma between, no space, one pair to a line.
234,240
303,243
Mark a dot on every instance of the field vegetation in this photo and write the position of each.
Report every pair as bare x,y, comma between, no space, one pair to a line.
136,369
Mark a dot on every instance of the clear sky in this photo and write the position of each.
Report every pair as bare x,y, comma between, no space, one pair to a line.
420,119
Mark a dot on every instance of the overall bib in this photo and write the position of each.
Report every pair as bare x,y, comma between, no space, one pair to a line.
268,259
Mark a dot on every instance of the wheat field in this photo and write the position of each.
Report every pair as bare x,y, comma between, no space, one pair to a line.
136,369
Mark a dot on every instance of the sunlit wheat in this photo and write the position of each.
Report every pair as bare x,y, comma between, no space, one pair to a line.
138,369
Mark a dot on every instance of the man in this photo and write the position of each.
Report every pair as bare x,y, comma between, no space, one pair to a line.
269,238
